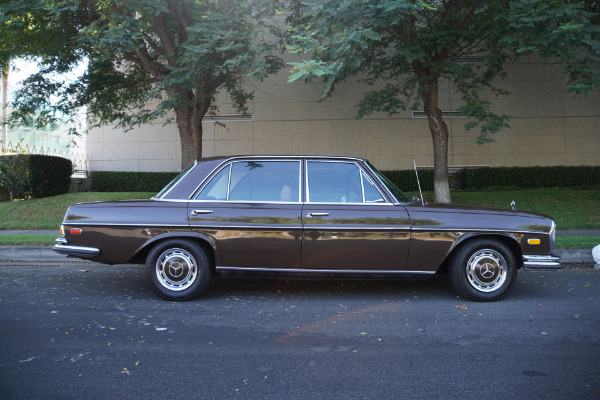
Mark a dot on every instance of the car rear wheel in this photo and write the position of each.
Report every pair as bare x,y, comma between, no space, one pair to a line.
178,269
483,270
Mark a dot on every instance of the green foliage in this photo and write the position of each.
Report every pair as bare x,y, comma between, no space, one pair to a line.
401,47
111,181
34,175
530,177
14,174
406,180
147,59
506,178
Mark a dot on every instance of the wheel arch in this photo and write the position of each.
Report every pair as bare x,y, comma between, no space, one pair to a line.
508,239
207,243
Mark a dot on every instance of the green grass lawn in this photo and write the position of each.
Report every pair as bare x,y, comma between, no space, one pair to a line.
572,209
28,240
48,213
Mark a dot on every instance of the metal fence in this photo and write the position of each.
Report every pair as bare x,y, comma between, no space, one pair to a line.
80,161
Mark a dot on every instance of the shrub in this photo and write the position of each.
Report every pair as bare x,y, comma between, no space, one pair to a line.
530,177
406,180
117,181
35,175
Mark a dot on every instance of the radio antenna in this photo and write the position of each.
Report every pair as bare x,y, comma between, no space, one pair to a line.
418,183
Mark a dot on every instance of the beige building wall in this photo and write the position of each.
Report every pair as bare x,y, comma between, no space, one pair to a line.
548,126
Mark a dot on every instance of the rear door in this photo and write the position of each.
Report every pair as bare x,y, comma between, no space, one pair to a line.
251,210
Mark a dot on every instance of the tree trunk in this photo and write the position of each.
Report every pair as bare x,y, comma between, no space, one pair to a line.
5,69
439,135
189,124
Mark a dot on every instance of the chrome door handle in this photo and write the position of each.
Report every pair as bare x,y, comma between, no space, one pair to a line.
316,214
196,212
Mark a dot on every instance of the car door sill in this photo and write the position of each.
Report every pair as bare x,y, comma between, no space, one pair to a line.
320,273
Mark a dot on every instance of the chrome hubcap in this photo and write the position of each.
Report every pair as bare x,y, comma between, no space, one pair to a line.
176,269
486,270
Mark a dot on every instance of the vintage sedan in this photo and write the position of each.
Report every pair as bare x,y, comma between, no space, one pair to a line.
305,217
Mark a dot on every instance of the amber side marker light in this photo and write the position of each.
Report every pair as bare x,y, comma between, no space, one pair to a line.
75,231
534,242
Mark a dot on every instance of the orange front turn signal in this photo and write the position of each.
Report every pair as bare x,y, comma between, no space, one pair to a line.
534,242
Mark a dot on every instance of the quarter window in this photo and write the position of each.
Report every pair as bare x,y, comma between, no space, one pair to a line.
217,187
372,195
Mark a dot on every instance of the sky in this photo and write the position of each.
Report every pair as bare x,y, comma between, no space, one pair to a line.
22,68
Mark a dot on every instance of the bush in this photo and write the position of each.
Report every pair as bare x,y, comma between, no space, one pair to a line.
116,181
35,175
406,180
508,178
530,177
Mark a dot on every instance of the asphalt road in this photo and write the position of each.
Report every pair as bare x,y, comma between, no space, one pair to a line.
78,331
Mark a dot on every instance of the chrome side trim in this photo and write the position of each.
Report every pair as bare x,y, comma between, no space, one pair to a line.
541,263
110,224
271,227
76,251
419,229
325,271
316,227
245,202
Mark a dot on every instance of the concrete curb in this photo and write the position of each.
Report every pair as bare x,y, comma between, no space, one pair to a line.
575,256
32,253
46,254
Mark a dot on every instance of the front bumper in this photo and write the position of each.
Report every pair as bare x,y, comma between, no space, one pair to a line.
541,263
61,247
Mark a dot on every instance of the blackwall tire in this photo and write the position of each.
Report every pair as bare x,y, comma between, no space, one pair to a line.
483,270
178,269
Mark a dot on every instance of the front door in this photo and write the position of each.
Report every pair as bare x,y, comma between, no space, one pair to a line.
348,224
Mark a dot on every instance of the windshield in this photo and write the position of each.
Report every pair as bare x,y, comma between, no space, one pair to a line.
174,181
397,193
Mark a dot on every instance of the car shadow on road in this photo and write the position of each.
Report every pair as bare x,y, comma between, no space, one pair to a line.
130,281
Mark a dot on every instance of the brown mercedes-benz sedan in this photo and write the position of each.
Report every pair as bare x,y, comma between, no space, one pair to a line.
305,217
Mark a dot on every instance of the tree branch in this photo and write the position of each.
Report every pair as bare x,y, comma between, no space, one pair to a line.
160,27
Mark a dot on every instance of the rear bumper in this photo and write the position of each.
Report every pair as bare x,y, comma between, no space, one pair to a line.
75,251
541,263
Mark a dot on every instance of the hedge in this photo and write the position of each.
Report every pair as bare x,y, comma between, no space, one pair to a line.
530,177
35,175
406,180
474,179
506,178
115,181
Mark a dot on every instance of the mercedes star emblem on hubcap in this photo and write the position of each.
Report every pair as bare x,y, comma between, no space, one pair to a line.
487,270
176,270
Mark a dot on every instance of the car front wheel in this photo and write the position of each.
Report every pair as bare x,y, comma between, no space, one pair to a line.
178,269
483,270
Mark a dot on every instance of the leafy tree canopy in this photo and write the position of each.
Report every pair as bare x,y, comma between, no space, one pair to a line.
147,59
406,47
